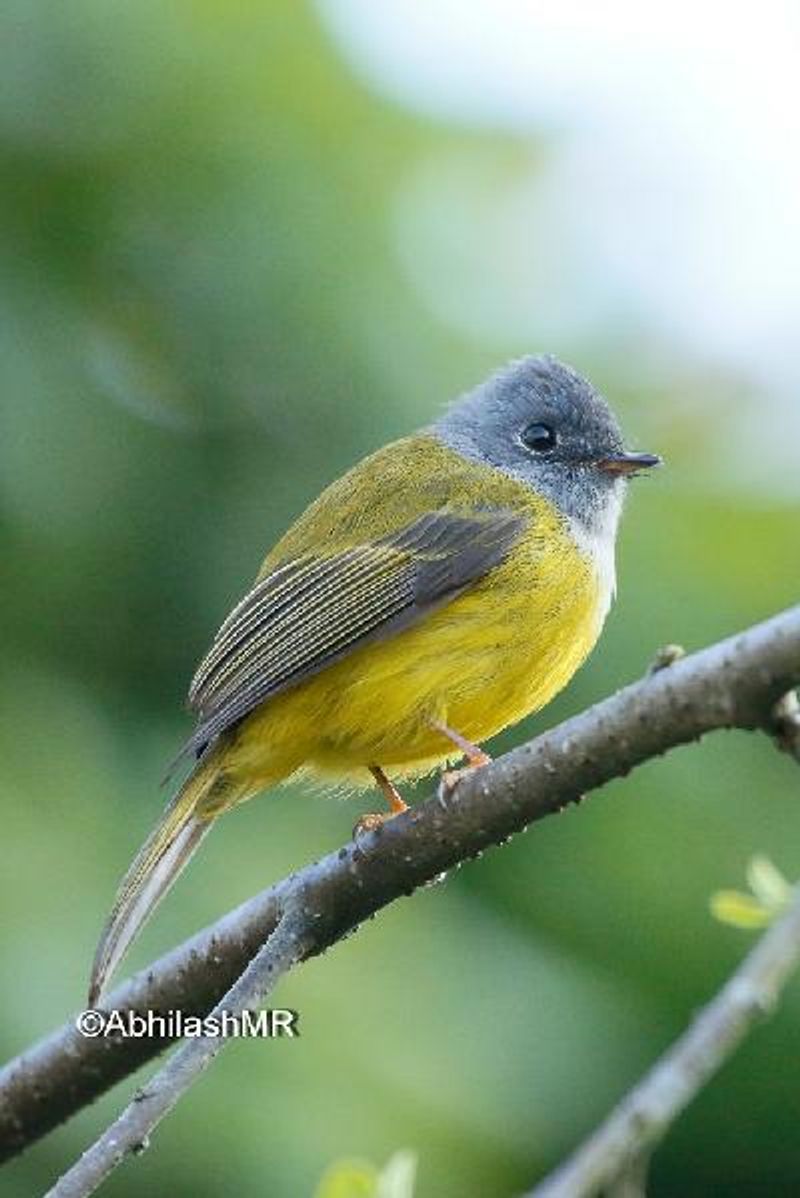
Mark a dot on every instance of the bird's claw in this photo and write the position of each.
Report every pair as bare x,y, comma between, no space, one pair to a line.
449,779
371,821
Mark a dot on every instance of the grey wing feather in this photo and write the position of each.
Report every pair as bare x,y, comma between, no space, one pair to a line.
310,612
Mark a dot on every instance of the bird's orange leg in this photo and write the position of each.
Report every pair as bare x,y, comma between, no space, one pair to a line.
475,756
393,798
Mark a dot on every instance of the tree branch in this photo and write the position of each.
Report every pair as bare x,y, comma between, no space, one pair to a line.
733,684
629,1134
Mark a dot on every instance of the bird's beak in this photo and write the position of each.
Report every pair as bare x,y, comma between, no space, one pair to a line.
628,464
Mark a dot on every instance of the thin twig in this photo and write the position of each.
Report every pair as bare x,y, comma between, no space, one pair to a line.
644,1116
131,1131
735,683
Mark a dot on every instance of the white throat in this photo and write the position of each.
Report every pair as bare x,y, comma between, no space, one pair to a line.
598,545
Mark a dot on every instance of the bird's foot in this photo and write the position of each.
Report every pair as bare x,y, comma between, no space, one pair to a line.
371,821
476,759
368,823
450,778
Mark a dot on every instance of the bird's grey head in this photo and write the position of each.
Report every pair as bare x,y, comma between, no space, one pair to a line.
538,421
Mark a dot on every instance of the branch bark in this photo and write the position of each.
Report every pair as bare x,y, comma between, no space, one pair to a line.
630,1133
733,684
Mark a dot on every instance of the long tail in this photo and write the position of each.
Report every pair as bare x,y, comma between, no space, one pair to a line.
154,869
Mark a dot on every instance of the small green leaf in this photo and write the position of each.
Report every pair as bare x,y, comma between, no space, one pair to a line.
349,1179
360,1179
740,910
770,894
398,1176
768,883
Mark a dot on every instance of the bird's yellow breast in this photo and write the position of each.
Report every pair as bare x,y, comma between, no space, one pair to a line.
501,649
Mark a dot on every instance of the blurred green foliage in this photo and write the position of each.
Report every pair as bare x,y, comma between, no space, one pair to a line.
204,320
360,1179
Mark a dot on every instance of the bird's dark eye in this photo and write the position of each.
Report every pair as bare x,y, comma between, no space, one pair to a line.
538,437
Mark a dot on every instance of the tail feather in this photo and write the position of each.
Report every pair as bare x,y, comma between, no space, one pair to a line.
153,871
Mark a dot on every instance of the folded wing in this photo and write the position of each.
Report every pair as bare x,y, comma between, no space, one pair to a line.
311,611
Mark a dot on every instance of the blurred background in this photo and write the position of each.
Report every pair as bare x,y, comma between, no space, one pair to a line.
242,246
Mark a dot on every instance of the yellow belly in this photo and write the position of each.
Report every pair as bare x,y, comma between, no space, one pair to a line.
499,651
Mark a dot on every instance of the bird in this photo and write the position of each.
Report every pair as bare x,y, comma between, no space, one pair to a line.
446,586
